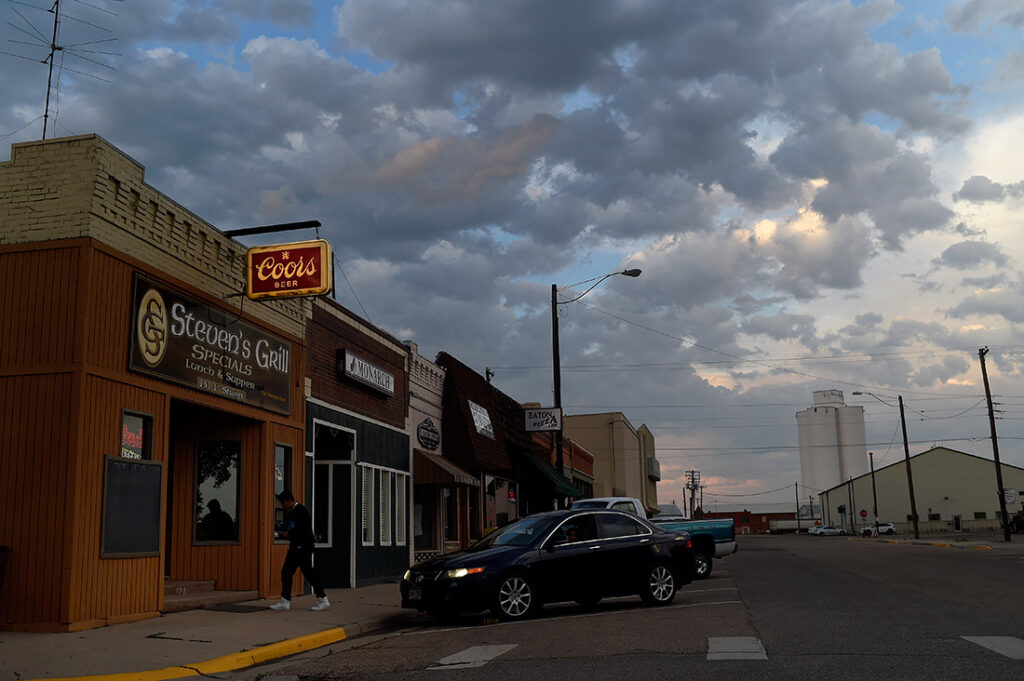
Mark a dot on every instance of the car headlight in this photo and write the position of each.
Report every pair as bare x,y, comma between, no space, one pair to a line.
405,577
462,572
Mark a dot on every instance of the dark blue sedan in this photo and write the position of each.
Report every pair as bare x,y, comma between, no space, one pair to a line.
575,555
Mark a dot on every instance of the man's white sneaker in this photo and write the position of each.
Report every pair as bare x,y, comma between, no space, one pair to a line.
283,604
321,604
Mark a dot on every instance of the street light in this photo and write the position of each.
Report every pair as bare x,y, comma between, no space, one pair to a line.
906,455
556,361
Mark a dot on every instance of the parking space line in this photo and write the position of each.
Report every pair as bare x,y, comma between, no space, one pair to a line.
477,656
1007,646
735,648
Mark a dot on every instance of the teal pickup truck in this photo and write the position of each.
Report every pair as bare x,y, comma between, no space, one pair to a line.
712,538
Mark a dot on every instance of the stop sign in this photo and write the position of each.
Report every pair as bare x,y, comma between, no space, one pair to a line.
863,513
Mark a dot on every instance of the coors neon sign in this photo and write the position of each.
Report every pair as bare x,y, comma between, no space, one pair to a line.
289,270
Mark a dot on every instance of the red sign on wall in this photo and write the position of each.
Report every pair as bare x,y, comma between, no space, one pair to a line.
289,270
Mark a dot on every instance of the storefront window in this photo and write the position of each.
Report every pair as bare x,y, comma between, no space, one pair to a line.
136,436
500,501
217,490
423,518
451,514
282,480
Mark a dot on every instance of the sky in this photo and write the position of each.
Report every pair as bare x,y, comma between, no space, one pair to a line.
821,195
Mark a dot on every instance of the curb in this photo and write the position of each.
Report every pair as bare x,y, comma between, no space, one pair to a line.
239,660
948,545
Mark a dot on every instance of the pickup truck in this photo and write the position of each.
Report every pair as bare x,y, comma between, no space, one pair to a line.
712,538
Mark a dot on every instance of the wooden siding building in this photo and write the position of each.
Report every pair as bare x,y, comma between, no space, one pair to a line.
136,389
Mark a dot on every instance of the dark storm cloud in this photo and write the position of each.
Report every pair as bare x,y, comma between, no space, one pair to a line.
831,256
867,172
994,281
980,189
970,255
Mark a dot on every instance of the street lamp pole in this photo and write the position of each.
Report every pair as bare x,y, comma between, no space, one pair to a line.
556,361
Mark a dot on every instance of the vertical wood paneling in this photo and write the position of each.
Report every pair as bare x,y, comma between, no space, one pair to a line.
111,587
33,412
37,307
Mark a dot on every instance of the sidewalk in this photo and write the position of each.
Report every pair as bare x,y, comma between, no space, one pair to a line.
207,641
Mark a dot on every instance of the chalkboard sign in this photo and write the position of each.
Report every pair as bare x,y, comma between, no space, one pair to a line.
132,493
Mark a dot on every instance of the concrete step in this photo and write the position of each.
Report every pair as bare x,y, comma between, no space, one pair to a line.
182,588
202,599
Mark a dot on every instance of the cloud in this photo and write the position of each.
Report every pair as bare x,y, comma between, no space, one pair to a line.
980,189
969,16
970,255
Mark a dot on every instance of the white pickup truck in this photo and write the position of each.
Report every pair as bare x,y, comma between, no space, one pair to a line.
712,538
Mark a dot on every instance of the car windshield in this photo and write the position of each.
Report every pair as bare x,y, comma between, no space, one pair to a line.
520,533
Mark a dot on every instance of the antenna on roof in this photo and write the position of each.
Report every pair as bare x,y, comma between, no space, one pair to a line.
39,44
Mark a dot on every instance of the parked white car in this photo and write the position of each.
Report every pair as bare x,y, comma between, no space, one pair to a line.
883,528
829,531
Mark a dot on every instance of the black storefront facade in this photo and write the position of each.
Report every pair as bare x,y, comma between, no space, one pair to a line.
358,464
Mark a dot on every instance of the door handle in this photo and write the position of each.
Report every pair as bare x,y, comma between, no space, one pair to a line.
644,541
594,548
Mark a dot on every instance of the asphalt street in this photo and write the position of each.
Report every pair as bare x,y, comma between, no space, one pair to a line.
784,607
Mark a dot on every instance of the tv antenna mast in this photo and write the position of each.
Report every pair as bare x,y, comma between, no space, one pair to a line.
53,46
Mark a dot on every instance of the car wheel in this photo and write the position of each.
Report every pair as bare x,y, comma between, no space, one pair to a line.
842,532
701,564
890,531
660,586
515,598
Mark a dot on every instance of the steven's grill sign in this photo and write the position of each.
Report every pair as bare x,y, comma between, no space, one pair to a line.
180,340
289,270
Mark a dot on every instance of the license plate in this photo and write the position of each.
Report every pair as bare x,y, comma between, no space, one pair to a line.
415,594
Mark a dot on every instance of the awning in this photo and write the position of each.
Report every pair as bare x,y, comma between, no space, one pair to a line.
429,467
561,485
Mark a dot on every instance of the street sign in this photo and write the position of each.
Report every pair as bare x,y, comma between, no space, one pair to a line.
863,513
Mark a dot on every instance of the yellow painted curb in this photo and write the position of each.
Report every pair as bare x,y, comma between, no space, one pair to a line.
982,547
226,663
939,543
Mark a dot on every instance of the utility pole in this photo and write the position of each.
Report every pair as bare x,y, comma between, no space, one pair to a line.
874,493
910,475
849,499
995,448
796,495
692,485
810,505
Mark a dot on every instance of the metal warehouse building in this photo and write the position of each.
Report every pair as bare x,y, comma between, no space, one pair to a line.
953,491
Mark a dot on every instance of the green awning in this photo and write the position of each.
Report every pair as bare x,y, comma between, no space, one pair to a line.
562,486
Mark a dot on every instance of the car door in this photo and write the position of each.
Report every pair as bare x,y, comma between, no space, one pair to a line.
564,570
625,552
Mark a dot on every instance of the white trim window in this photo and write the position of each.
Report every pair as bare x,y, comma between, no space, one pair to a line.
385,507
401,510
367,517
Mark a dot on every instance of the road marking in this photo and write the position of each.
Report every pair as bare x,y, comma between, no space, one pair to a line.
1007,646
477,656
735,648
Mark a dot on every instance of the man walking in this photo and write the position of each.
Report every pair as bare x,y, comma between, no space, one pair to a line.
299,532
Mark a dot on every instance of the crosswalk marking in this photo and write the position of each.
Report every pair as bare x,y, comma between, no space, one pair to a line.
1008,646
477,656
735,648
